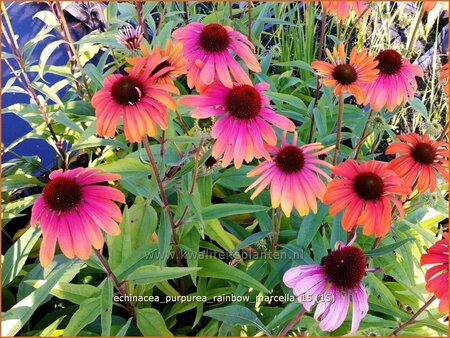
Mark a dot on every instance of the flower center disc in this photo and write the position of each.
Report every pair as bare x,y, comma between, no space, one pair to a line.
389,61
290,159
423,153
210,162
62,194
214,38
345,74
243,102
368,186
205,124
161,66
127,90
345,267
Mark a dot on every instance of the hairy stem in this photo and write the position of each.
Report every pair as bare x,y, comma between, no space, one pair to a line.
113,277
141,20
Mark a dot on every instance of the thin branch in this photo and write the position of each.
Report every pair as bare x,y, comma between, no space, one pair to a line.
413,318
292,323
66,29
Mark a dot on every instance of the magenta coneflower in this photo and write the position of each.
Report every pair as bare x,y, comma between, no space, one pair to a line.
365,192
130,37
73,209
138,98
293,176
395,84
330,284
207,49
243,120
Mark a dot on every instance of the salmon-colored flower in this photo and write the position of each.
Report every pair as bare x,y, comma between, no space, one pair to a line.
293,176
207,49
330,284
395,84
347,77
244,119
365,192
138,98
444,77
429,5
73,210
437,276
172,60
422,158
343,8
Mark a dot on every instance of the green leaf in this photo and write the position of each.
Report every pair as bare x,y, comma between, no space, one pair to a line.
215,268
16,317
120,246
62,118
151,323
297,63
88,312
17,255
216,232
292,100
165,237
237,315
20,181
310,224
106,307
228,209
143,222
252,239
387,249
75,293
45,54
123,330
155,274
419,107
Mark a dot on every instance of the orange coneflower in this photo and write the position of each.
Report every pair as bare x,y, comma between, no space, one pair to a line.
365,192
423,156
347,77
172,59
343,8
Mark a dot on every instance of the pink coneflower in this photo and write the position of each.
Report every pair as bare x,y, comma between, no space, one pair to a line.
293,176
347,77
243,120
130,37
330,285
422,158
365,191
207,49
343,9
395,84
437,276
137,98
73,209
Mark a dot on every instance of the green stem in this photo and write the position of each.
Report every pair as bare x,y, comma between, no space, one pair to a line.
363,135
339,127
276,230
412,42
